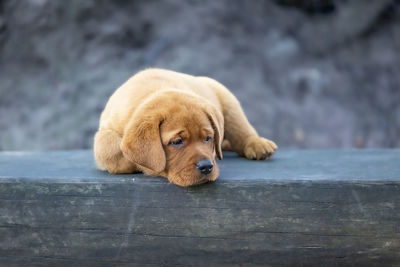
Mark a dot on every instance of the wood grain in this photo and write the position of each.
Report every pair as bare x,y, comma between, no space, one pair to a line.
127,220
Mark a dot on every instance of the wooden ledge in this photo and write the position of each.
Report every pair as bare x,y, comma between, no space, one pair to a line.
303,207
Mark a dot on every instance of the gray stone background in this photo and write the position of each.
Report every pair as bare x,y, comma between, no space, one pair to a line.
309,74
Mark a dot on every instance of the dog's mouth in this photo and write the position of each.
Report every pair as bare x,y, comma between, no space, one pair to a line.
184,181
203,180
192,179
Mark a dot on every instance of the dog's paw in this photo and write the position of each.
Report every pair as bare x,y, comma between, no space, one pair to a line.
259,148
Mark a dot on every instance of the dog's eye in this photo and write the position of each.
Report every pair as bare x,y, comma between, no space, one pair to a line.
207,139
177,142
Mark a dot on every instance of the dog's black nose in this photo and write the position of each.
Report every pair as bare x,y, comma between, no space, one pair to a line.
205,166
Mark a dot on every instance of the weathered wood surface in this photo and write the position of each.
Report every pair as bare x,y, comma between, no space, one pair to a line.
302,208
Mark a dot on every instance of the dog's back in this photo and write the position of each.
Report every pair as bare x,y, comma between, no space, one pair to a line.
142,85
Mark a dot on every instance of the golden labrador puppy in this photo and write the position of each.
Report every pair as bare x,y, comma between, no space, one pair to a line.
171,124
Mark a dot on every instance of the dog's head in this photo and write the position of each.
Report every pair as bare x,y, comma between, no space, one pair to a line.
176,135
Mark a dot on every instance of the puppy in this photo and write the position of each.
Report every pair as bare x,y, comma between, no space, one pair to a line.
171,124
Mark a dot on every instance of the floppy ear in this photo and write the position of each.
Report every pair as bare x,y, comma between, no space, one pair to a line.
141,142
217,121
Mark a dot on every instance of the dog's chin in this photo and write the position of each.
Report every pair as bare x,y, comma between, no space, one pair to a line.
192,179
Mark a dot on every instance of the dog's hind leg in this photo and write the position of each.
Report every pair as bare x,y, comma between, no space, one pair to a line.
108,154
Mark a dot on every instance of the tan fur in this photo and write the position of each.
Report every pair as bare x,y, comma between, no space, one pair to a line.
155,107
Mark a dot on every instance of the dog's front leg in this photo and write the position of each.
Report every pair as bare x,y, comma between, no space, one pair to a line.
108,154
242,137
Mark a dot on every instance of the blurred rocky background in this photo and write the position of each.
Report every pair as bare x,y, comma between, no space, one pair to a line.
309,74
